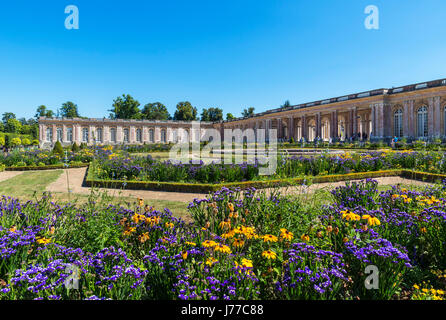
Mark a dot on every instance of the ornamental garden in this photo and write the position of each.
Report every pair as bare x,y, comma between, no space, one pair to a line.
247,239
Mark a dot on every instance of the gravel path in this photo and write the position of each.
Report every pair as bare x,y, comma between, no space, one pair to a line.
5,175
76,177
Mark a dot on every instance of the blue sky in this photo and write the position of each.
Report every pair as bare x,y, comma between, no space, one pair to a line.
231,54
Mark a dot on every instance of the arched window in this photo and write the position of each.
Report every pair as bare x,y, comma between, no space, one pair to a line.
113,135
49,134
398,123
151,135
70,134
444,113
126,135
85,134
422,122
59,133
99,135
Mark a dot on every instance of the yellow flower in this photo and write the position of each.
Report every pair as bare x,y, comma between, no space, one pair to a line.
193,244
371,220
184,255
140,202
269,254
350,216
423,230
169,225
211,261
129,230
238,243
209,244
246,263
228,235
305,237
136,218
222,248
286,235
231,207
225,224
42,240
269,238
13,229
144,237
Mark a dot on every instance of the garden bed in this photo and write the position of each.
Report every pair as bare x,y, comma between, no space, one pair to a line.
47,167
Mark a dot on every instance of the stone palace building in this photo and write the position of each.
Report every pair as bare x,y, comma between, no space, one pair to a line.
416,111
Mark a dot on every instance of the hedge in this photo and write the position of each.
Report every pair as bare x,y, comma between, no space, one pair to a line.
208,187
48,167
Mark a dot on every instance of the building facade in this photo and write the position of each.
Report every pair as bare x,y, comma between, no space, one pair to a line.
416,111
114,132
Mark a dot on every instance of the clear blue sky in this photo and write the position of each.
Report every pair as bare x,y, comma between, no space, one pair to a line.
231,54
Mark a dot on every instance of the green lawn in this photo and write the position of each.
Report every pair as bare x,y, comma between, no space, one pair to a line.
30,185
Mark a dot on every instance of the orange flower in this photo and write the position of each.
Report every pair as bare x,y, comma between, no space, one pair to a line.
144,237
184,255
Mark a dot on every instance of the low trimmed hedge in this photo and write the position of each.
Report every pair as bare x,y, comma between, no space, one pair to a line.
208,187
48,167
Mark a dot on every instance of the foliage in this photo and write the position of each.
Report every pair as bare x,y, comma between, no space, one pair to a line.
125,107
185,112
155,111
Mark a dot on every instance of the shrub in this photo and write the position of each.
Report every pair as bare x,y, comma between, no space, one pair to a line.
15,142
75,147
26,142
58,148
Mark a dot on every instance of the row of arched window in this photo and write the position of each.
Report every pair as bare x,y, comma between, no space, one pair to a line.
422,122
98,135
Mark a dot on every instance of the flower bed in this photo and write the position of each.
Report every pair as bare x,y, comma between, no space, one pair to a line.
241,245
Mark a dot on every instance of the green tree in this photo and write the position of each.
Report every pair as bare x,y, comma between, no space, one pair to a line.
248,112
2,127
2,141
75,147
58,148
26,141
230,116
69,110
15,142
155,111
6,116
125,107
42,111
286,104
13,126
185,112
212,114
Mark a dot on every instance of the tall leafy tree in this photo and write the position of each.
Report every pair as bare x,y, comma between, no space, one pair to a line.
185,112
286,104
42,111
248,112
230,116
125,107
69,110
212,114
13,126
155,111
6,117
